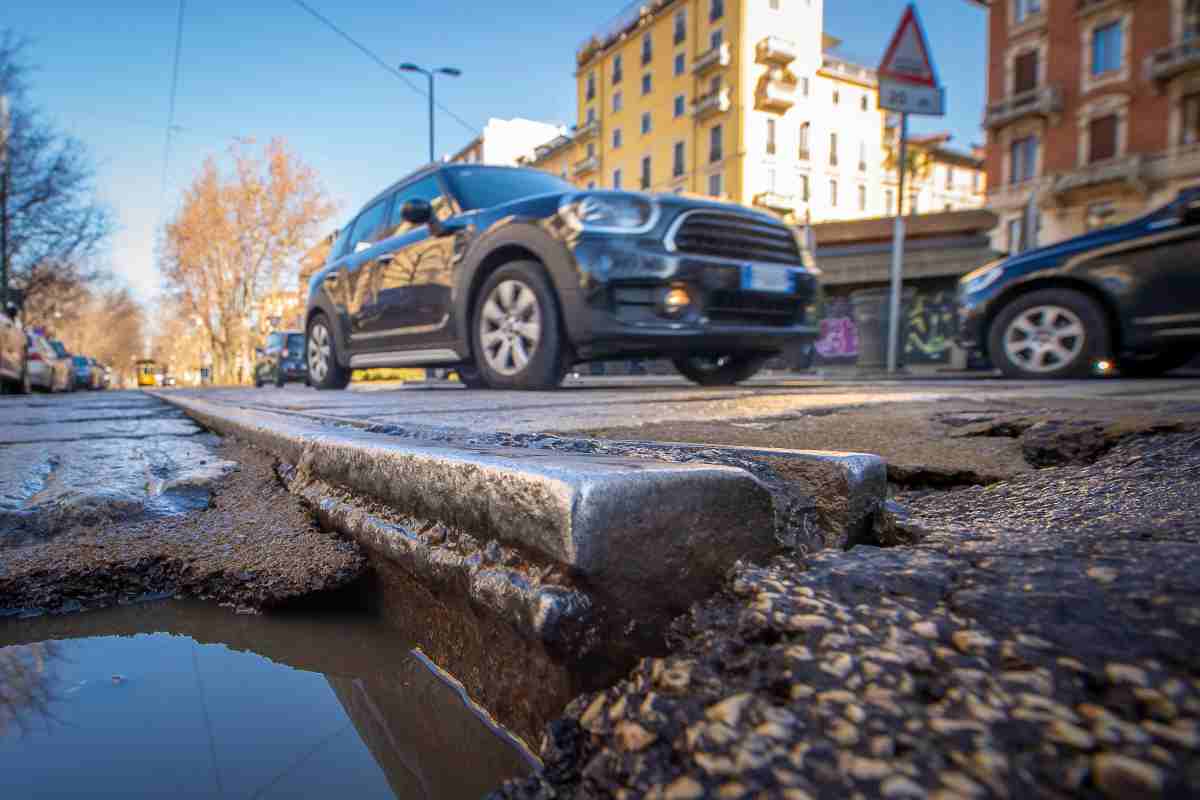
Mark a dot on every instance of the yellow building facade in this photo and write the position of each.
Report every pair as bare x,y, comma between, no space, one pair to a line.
734,99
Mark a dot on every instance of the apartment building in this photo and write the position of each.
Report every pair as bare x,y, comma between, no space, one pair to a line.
742,100
506,141
1093,112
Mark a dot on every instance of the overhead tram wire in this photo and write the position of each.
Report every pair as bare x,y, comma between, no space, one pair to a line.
391,70
171,104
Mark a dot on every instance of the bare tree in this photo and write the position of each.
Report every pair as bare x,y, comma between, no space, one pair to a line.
237,239
49,215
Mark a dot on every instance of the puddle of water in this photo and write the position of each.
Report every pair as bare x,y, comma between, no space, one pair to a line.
183,699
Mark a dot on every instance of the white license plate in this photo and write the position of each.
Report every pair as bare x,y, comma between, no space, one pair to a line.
761,278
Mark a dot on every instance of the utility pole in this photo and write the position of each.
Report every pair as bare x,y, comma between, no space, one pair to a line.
893,349
4,129
429,73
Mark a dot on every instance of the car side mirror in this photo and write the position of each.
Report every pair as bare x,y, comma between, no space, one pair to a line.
416,211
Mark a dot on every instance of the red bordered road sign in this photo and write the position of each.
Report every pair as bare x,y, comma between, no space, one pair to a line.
908,59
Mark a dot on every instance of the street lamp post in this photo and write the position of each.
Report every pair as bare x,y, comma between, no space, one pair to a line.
429,73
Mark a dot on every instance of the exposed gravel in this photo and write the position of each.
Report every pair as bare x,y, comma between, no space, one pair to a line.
1042,640
253,547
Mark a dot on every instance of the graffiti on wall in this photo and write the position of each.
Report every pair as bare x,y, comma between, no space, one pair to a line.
931,326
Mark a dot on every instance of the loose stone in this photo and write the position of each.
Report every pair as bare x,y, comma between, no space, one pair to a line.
633,737
684,788
1119,776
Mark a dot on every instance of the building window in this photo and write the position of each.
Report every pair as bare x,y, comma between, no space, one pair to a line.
616,179
714,143
889,202
591,149
802,138
645,122
1014,235
862,156
716,10
1025,72
774,5
833,150
862,198
677,160
714,185
591,86
837,97
865,102
647,49
912,203
833,194
591,184
681,27
1191,21
563,173
770,137
645,181
949,177
1024,9
1102,139
646,83
714,85
680,103
618,101
1190,130
1106,48
715,39
591,116
804,87
616,140
617,73
771,180
679,63
1023,158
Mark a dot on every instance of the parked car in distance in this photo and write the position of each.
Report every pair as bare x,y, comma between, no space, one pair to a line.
96,374
1129,294
47,370
81,372
281,360
512,275
106,377
13,375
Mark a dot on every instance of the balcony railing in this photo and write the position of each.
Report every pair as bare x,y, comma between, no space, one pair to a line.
551,147
775,94
706,105
1040,102
1085,7
586,166
776,50
840,67
1127,170
719,56
587,130
776,201
1164,64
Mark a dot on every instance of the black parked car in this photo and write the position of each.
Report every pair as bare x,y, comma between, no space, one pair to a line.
1129,293
512,275
282,360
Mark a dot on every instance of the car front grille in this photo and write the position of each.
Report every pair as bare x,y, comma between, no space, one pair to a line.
753,309
729,235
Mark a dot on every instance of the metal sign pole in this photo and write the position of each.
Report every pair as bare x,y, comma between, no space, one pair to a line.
893,349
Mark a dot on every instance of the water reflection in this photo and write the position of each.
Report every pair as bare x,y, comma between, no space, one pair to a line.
186,700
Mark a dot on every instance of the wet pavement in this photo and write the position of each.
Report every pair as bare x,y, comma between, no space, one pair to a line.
606,402
184,699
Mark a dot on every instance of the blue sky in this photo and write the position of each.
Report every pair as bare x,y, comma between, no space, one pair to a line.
266,68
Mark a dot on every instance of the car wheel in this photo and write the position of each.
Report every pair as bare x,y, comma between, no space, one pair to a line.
470,377
323,368
516,335
1154,364
279,381
26,385
719,370
1049,333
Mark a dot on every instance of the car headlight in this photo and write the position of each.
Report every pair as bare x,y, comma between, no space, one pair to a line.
981,278
609,212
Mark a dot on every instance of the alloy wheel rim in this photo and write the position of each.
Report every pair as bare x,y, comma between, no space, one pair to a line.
1044,338
709,363
510,327
319,353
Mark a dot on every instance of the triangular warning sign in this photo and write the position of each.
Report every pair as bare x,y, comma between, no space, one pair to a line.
907,58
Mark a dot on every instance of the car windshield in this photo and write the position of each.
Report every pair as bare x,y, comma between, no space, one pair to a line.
295,341
80,361
59,348
484,187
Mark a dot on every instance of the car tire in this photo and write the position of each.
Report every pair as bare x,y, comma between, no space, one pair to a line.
1049,333
470,377
1155,364
515,331
26,384
720,370
279,381
320,352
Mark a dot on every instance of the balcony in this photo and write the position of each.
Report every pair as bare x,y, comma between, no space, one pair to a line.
1085,7
1164,64
837,67
713,58
587,130
544,151
711,104
776,201
775,94
586,166
1128,170
775,51
1040,102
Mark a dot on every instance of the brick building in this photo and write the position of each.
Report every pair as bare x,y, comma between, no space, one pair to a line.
1093,111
